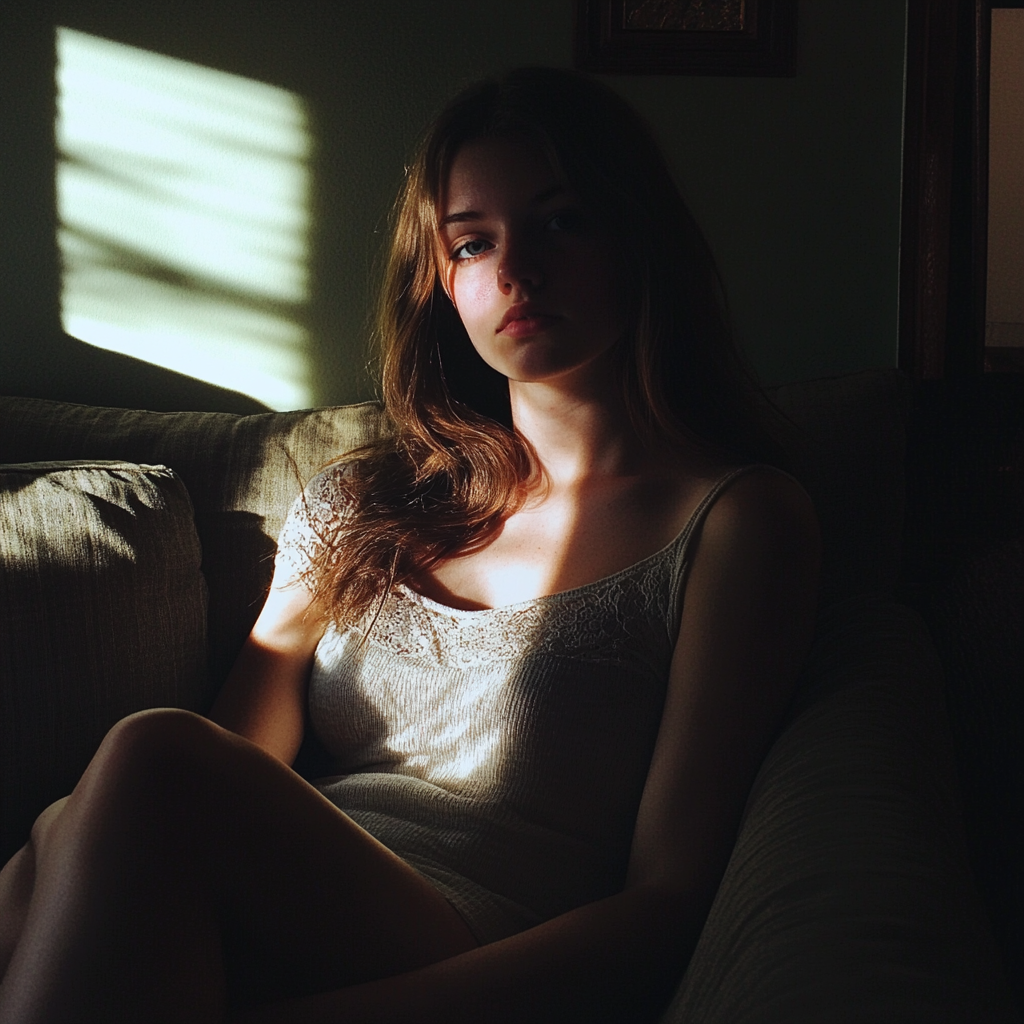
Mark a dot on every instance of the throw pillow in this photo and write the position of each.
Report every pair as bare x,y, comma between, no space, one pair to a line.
102,613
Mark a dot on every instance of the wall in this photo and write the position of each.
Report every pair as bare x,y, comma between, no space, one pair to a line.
795,181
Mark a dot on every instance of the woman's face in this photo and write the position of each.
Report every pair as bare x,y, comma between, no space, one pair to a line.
533,277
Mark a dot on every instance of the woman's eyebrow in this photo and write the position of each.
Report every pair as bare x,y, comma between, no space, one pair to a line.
549,193
461,216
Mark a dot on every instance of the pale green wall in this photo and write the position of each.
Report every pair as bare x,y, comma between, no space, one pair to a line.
796,181
797,184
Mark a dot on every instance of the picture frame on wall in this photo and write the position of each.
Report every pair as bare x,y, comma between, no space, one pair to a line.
686,37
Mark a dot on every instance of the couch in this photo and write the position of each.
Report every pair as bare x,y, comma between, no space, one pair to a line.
136,547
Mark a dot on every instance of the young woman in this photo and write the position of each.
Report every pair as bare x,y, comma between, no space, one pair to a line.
547,630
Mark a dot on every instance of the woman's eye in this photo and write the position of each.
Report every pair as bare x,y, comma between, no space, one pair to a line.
566,220
474,247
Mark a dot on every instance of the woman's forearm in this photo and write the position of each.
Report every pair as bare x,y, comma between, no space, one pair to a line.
611,960
262,699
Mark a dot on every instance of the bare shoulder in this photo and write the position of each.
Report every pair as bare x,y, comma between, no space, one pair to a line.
753,578
764,512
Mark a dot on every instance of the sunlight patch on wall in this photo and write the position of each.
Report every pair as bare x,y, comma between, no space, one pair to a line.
183,204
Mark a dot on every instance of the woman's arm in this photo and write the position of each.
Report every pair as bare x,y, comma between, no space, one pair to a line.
748,620
613,960
747,623
263,698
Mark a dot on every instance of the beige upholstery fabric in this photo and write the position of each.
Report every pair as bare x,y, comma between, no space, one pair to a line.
102,613
242,472
848,897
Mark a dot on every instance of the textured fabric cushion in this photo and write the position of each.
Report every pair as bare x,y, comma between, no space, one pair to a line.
242,472
102,612
848,451
848,897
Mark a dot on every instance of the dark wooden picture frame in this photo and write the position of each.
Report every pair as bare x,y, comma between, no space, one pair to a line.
686,37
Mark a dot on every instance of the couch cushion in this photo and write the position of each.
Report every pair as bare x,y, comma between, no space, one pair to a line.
242,472
102,558
848,896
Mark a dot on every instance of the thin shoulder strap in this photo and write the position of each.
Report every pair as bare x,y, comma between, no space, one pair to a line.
692,529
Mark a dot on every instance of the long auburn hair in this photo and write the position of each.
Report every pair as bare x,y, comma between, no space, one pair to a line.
453,468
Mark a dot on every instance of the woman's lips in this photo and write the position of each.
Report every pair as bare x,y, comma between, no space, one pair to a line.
524,327
523,320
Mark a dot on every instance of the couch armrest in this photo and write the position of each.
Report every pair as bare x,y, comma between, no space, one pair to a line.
102,613
848,896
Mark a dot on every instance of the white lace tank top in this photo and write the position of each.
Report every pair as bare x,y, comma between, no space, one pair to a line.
502,752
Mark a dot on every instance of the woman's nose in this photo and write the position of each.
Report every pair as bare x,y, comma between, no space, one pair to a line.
519,266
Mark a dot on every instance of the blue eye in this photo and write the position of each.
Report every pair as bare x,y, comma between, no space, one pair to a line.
474,247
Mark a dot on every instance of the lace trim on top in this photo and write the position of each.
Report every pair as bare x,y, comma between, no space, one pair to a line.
600,621
628,614
311,521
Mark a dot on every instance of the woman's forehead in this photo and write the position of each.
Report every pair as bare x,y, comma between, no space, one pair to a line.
497,170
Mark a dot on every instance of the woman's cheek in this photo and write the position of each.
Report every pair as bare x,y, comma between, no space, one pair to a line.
472,301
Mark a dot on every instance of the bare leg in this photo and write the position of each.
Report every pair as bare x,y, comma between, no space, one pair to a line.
16,880
171,886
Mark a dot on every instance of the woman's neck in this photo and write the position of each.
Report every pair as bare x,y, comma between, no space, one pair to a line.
578,433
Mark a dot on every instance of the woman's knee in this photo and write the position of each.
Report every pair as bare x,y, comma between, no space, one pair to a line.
44,822
141,752
156,736
150,757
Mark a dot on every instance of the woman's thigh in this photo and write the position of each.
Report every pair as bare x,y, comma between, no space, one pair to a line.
308,900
